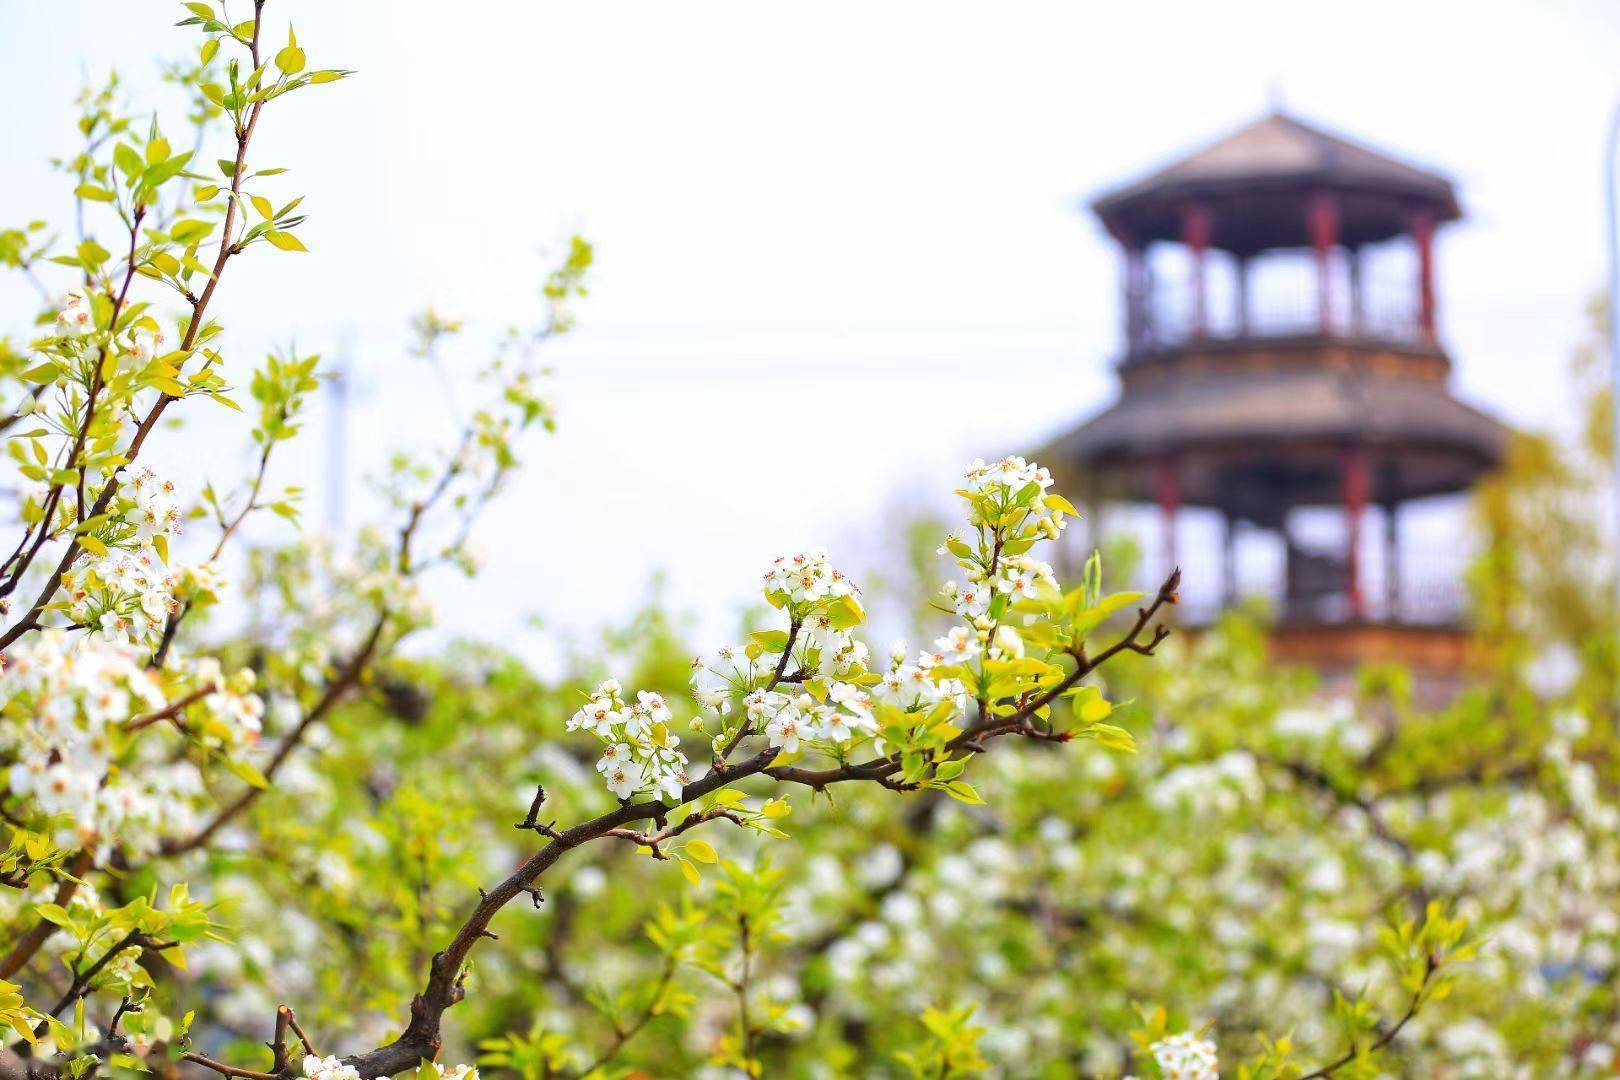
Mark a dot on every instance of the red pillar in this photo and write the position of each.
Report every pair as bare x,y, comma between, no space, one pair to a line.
1353,464
1423,237
1324,223
1167,490
1195,229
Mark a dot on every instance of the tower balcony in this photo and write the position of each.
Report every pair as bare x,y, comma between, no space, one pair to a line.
1308,587
1169,316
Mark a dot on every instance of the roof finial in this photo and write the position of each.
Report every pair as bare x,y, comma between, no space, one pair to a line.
1274,95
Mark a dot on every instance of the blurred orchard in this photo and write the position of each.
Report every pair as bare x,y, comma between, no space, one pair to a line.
1049,837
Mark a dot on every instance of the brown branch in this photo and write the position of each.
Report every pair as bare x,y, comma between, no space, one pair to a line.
170,711
227,1070
82,980
652,840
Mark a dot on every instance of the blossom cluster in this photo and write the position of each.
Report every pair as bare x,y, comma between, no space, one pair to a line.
155,513
128,595
641,754
1186,1057
231,715
813,685
333,1068
140,345
329,1068
437,1071
1011,511
830,702
76,319
915,685
807,580
63,708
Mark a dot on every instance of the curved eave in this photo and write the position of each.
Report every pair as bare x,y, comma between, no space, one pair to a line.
1425,441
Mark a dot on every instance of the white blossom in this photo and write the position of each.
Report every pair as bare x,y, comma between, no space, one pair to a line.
1186,1057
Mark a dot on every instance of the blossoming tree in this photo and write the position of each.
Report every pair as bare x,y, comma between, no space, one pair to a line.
165,806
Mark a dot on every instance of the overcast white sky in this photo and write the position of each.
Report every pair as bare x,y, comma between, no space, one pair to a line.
848,228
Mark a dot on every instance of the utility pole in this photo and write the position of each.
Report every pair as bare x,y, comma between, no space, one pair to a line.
1613,200
337,436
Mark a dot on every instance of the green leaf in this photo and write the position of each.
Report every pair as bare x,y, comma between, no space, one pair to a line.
1058,502
246,773
963,791
701,851
92,254
94,193
286,241
1114,738
771,640
127,160
845,612
290,60
54,914
1088,620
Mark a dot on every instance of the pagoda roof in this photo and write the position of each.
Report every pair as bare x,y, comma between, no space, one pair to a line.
1275,154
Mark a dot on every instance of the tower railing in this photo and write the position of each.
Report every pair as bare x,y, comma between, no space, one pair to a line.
1431,593
1167,316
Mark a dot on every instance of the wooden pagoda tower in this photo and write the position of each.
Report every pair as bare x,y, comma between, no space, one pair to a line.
1280,354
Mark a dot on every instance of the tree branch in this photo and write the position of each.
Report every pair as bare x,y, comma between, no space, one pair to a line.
444,986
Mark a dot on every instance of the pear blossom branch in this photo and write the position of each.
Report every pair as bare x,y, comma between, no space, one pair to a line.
1430,966
348,676
227,248
353,671
745,729
1020,722
53,497
447,970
